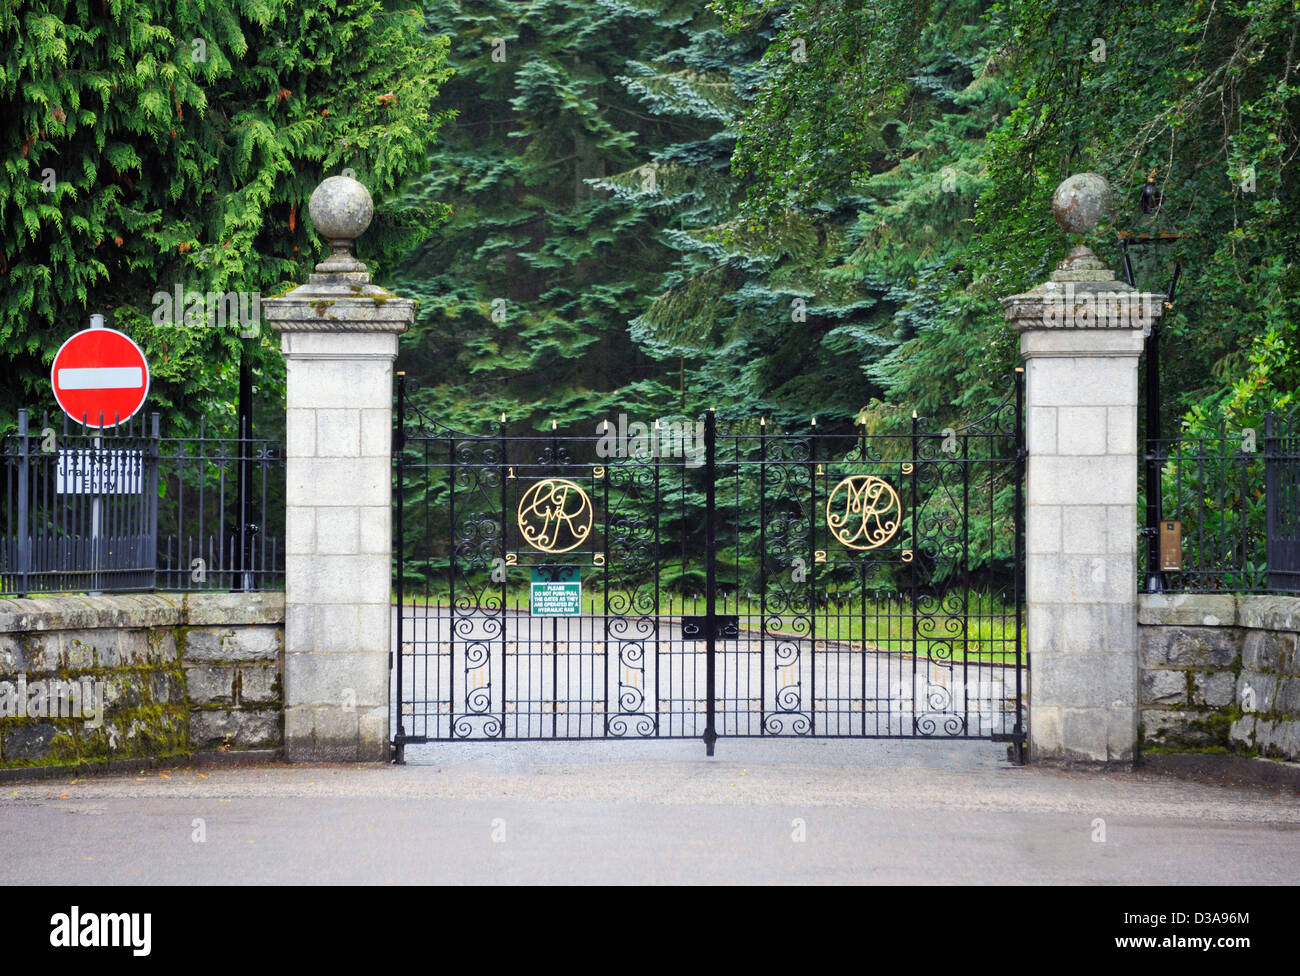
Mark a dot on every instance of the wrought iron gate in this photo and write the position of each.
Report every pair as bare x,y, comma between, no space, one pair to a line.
729,579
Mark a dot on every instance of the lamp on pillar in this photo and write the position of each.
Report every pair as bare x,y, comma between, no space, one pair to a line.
1150,201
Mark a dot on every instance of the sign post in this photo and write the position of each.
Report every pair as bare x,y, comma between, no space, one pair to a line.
99,374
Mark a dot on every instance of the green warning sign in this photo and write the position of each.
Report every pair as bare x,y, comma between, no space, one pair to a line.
554,598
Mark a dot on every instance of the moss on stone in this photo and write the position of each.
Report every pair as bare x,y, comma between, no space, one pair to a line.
147,716
64,749
1169,750
1210,730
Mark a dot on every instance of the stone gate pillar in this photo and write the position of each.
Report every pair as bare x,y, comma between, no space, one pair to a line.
1080,335
339,338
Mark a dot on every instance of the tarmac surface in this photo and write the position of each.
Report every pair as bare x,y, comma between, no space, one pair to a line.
760,812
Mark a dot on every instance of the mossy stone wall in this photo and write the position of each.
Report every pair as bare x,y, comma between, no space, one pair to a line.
134,676
1220,673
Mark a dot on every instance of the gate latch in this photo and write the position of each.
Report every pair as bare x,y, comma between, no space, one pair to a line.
726,627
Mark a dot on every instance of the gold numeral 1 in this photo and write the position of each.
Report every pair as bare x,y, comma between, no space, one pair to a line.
511,474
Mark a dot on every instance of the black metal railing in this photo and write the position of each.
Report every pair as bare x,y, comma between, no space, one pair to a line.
1282,502
124,509
1227,514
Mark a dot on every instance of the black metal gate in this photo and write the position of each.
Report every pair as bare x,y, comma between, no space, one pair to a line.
709,579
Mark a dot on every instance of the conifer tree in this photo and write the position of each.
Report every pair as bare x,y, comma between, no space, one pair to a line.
149,144
1203,98
589,155
814,297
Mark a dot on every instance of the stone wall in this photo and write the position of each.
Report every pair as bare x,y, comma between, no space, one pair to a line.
1221,672
116,677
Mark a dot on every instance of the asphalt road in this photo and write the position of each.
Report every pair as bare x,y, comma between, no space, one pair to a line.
761,812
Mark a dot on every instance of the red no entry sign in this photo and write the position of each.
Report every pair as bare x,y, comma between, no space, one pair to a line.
100,373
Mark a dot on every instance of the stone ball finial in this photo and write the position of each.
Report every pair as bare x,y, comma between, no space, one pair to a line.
341,210
1081,201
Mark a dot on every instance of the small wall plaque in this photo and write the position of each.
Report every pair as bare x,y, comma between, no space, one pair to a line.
1171,546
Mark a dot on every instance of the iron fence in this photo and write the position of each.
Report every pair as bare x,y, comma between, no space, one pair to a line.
1282,498
125,509
1226,517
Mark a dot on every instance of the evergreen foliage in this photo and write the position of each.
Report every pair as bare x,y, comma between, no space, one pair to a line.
551,170
149,144
834,286
1206,99
652,206
1005,100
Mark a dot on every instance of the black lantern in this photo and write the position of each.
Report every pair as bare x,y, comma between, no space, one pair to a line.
1151,198
1149,203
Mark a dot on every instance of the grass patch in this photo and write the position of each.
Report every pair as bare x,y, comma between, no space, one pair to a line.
984,632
